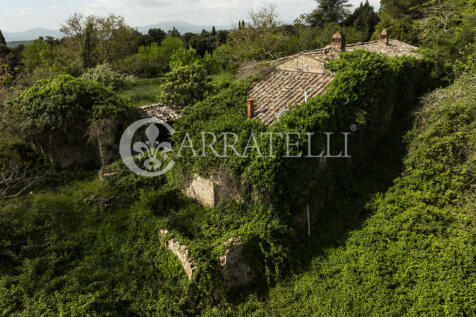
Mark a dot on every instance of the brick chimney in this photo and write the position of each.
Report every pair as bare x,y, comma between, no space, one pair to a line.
251,107
338,42
383,38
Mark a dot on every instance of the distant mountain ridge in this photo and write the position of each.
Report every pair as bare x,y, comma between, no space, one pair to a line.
182,27
32,34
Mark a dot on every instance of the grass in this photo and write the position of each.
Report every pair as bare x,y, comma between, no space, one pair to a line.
143,91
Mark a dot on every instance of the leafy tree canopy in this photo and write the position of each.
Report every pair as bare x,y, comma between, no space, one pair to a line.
64,107
328,11
183,57
185,85
363,18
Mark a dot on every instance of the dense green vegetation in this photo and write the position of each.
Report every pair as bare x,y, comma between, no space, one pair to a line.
392,231
414,255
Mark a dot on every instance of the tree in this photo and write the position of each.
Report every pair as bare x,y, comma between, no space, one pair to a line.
363,19
447,33
174,32
2,39
203,42
113,38
61,109
260,39
4,50
183,57
107,76
157,35
222,36
184,86
5,79
152,60
88,47
328,11
38,54
402,9
214,31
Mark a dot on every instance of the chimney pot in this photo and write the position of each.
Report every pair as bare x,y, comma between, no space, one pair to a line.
338,42
251,107
383,38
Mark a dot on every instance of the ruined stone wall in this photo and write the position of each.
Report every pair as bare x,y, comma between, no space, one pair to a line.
235,271
181,252
208,192
202,190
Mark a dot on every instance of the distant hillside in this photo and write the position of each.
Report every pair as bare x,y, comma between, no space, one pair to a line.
17,43
32,34
183,27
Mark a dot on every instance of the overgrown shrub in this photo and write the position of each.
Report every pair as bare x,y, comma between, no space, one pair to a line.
151,60
107,76
184,86
62,109
183,57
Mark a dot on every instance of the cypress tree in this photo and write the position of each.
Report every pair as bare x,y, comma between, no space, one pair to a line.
88,47
2,39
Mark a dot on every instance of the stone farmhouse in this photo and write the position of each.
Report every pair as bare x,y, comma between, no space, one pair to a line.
302,76
295,79
292,81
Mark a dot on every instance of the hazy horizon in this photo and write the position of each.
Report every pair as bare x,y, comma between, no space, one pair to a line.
24,15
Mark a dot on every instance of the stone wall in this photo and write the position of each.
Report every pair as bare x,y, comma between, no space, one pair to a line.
202,190
210,191
235,271
181,252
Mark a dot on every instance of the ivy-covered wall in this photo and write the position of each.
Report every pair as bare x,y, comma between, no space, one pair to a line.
367,87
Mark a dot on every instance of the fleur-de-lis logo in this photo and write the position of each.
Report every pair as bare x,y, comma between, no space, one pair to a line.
151,151
152,148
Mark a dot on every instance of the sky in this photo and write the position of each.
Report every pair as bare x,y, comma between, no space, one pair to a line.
22,15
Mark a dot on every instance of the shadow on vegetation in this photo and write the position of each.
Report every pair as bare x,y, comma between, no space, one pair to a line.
353,186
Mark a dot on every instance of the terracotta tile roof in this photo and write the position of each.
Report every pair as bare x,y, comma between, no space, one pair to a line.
304,72
394,48
160,111
322,55
281,89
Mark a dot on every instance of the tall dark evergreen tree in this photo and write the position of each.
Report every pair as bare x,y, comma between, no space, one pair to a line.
88,46
174,32
363,19
157,35
4,50
328,11
214,31
2,39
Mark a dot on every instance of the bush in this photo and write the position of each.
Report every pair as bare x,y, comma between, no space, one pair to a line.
152,60
183,57
62,109
104,74
184,86
212,63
